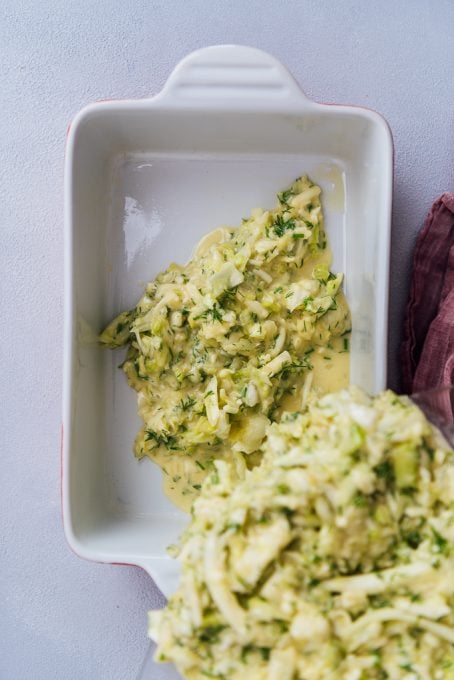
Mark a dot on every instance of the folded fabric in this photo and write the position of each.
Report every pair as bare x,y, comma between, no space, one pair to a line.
427,350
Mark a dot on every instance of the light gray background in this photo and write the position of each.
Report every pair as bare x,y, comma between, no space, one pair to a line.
61,617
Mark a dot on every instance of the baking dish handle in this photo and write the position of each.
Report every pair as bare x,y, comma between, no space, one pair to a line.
164,571
233,76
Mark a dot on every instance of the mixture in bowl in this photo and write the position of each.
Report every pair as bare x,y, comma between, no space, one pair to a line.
333,559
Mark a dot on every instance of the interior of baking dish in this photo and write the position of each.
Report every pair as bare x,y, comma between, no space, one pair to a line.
144,181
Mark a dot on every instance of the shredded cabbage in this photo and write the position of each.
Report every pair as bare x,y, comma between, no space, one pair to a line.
333,559
215,346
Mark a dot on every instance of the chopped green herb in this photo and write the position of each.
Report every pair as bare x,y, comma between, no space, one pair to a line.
359,500
303,365
281,226
284,196
412,538
441,544
162,439
265,653
385,471
408,490
379,601
211,633
228,295
415,597
188,403
213,314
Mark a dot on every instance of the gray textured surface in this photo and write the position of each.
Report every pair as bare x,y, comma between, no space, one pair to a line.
61,617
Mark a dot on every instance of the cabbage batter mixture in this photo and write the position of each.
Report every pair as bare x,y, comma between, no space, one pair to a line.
222,346
331,560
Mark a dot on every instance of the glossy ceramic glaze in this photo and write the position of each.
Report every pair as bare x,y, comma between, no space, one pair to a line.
144,181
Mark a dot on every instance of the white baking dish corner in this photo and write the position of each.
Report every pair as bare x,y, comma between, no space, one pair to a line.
143,181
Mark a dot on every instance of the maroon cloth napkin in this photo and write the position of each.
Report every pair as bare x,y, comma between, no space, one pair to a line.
428,342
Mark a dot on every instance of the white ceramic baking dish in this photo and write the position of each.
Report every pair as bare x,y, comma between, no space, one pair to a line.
144,181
